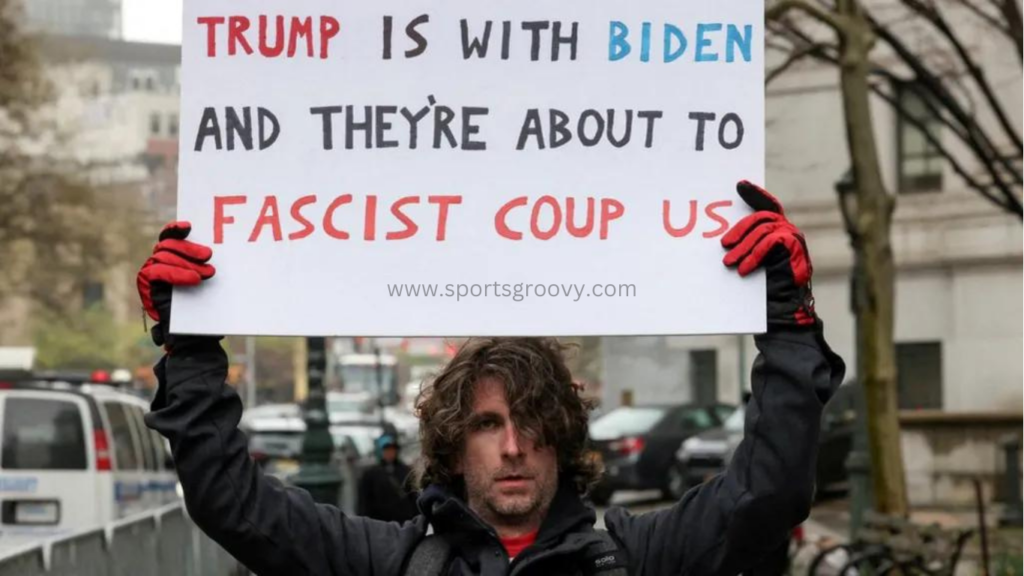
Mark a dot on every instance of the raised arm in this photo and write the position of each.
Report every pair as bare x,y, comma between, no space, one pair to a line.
730,523
271,528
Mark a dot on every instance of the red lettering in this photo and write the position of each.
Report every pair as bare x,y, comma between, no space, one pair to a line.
611,209
329,28
278,47
301,29
410,227
219,218
499,219
329,217
237,25
370,223
556,218
723,224
570,218
666,219
268,215
307,226
211,23
442,212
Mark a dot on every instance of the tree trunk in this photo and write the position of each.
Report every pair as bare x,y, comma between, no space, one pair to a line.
876,362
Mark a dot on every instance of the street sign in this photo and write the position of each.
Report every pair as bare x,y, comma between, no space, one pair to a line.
416,168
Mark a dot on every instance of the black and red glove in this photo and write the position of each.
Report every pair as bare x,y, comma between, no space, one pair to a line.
175,262
767,239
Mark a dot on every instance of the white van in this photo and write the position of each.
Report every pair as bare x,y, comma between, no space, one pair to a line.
76,456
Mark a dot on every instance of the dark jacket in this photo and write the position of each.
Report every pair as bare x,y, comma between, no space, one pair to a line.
385,493
721,527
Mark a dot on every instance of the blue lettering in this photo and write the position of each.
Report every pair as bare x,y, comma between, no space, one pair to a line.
24,484
618,47
670,33
645,42
703,42
733,39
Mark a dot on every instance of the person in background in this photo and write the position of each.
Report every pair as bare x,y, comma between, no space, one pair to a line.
385,490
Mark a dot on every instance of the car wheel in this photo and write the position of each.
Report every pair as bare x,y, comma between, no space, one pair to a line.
601,495
675,483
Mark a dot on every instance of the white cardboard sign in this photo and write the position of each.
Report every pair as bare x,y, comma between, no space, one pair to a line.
540,167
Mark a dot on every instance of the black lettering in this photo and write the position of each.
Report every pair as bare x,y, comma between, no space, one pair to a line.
469,128
628,132
581,129
388,24
262,116
208,126
701,117
412,33
443,117
650,116
477,45
326,112
728,119
383,125
351,126
506,37
240,126
557,40
413,120
558,133
531,127
535,27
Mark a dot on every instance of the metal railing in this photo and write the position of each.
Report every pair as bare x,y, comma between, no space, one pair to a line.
163,542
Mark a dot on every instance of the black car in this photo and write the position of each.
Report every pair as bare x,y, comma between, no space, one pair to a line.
637,445
707,454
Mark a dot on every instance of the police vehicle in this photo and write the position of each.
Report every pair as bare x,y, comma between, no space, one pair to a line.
75,454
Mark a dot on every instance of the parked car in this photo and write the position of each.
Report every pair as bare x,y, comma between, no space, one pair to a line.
707,454
637,445
76,454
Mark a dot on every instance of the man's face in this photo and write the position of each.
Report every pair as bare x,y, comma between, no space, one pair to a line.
509,480
389,453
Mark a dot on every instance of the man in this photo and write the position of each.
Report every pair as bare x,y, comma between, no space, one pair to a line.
504,436
384,489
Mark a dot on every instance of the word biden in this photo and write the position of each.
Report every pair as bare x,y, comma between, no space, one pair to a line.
707,41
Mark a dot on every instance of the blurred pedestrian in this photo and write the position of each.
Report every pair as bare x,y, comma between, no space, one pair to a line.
505,464
386,489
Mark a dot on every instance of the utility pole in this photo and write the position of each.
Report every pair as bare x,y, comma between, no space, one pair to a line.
316,475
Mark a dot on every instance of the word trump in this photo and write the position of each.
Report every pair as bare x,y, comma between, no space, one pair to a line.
272,36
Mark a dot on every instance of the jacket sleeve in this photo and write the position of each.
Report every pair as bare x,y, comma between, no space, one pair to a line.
731,522
269,527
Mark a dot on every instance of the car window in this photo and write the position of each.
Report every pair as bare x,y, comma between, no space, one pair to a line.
723,412
42,434
125,450
698,419
626,421
734,422
148,457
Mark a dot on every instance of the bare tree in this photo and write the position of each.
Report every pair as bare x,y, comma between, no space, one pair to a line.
956,91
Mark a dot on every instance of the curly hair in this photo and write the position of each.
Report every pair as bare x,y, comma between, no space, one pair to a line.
544,402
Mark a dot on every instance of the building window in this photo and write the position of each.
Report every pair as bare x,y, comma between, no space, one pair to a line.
704,376
172,125
92,294
919,380
154,124
920,164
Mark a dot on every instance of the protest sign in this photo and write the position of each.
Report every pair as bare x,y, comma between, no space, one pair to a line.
469,167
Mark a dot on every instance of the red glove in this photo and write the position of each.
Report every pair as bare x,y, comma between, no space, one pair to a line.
175,262
767,239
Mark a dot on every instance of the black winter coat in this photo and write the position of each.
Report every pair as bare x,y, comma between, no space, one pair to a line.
724,526
385,493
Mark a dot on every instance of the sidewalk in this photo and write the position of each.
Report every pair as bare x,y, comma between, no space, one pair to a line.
830,522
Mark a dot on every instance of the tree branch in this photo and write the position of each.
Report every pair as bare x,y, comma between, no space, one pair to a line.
796,56
782,7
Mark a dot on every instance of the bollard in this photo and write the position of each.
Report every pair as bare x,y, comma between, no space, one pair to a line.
1012,513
